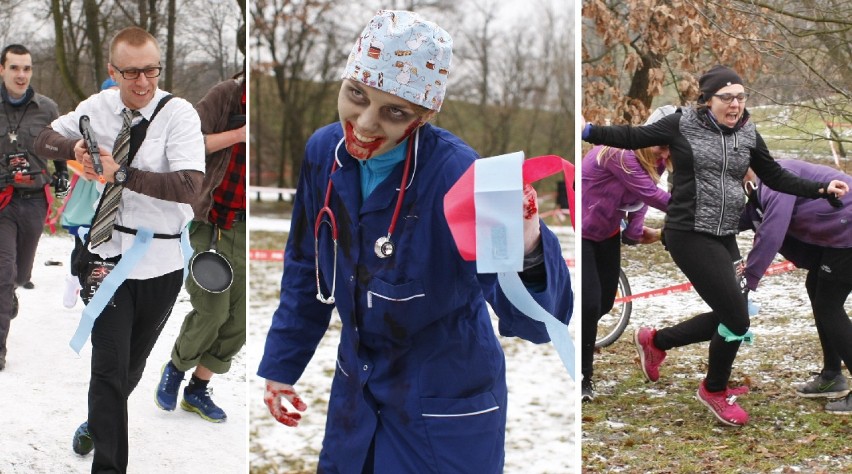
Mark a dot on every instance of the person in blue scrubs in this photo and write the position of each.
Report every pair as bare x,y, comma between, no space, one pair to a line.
420,383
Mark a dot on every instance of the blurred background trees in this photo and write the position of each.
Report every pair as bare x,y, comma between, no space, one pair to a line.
794,57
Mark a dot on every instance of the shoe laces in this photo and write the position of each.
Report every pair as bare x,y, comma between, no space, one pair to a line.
173,380
204,397
653,354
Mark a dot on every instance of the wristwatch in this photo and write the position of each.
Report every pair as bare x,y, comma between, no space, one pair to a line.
121,175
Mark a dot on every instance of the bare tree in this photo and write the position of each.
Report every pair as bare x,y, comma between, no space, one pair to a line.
518,75
302,47
67,36
633,48
808,70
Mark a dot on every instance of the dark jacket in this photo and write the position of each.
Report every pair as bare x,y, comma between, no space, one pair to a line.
215,110
29,119
709,162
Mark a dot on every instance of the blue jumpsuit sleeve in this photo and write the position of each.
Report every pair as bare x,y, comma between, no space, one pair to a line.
557,297
301,320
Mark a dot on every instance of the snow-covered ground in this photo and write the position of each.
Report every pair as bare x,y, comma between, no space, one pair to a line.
44,387
543,422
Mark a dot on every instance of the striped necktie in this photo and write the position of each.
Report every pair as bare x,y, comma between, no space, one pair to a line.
104,221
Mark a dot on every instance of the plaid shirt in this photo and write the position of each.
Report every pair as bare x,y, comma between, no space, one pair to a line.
229,198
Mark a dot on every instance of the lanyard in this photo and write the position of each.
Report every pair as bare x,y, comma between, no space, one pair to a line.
13,132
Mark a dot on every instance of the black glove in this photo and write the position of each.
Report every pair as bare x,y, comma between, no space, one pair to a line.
833,200
59,181
830,197
628,241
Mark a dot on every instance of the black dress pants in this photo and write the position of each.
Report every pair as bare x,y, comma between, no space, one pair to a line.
122,339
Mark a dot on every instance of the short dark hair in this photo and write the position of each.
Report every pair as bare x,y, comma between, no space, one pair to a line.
14,49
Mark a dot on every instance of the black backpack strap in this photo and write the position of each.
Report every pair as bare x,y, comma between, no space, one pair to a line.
140,130
137,136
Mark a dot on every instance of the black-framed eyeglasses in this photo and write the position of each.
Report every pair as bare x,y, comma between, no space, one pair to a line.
133,73
728,98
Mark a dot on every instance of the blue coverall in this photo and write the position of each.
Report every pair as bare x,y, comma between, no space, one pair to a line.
420,373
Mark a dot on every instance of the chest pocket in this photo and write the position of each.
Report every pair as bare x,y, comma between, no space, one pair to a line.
397,311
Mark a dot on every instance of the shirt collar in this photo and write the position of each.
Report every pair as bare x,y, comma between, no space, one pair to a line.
146,111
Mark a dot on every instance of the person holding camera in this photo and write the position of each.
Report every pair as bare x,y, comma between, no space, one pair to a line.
23,197
214,331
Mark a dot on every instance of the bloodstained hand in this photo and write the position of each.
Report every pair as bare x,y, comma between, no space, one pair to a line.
532,230
275,391
530,202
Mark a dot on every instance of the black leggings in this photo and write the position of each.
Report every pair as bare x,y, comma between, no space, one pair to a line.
707,261
833,325
601,263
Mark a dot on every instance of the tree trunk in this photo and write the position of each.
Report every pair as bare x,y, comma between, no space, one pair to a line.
93,33
170,46
68,80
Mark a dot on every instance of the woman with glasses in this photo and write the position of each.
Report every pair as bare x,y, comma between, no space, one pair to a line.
712,145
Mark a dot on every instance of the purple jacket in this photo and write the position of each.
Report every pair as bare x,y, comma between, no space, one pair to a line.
612,192
789,221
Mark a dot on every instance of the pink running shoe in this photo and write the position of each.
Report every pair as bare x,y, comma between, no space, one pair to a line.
724,405
650,358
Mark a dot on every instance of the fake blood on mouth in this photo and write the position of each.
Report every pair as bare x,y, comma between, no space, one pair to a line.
359,149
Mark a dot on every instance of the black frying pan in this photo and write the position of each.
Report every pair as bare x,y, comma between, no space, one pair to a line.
210,270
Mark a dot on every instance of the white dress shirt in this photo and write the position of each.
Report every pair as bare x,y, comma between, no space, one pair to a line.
174,142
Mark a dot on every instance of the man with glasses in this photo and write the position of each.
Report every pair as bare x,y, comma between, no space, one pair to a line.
152,154
23,201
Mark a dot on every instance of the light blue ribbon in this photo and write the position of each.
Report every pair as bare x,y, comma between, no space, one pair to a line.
498,196
729,336
110,285
519,296
186,249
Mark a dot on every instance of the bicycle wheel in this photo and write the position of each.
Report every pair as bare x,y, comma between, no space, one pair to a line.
612,325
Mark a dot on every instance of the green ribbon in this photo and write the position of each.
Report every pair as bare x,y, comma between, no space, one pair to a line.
729,336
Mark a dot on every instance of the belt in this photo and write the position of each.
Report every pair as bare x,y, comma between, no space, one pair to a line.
28,193
128,230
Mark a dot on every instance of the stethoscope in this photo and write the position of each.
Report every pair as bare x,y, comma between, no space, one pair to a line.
384,246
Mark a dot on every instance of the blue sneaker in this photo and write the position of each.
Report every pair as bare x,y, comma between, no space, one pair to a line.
199,401
82,443
167,391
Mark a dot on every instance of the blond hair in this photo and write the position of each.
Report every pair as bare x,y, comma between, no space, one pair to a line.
646,158
133,36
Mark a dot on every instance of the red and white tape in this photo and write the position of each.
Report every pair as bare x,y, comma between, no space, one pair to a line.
773,269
